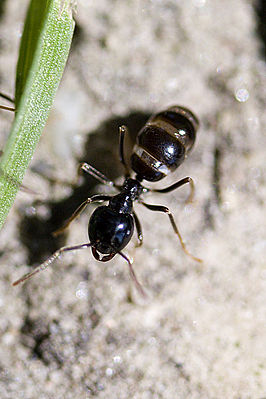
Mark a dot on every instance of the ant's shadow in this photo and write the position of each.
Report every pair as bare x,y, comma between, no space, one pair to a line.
101,151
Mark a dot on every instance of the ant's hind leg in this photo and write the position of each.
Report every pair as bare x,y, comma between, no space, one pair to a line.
6,97
7,108
94,198
179,184
48,261
139,230
164,209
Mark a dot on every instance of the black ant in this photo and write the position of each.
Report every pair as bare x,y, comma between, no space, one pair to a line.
161,146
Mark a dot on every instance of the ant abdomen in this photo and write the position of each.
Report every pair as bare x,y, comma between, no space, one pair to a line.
163,143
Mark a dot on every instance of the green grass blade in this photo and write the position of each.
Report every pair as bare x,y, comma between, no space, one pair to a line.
44,49
29,43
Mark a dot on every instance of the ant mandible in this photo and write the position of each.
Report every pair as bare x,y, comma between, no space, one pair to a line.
161,146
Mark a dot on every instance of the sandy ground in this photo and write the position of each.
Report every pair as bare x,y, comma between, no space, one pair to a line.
81,330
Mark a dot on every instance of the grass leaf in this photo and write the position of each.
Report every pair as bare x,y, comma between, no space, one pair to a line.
44,49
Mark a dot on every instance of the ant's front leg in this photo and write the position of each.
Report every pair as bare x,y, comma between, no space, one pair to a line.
94,198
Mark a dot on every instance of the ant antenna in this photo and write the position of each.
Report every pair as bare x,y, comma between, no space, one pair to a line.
48,261
133,275
56,255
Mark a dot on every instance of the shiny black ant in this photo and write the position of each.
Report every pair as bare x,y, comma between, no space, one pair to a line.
161,146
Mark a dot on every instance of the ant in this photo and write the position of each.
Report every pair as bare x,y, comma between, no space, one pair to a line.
161,146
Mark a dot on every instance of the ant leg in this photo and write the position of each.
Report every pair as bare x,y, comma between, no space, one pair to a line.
8,99
48,261
95,173
94,198
122,131
164,209
133,275
7,108
179,184
139,230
